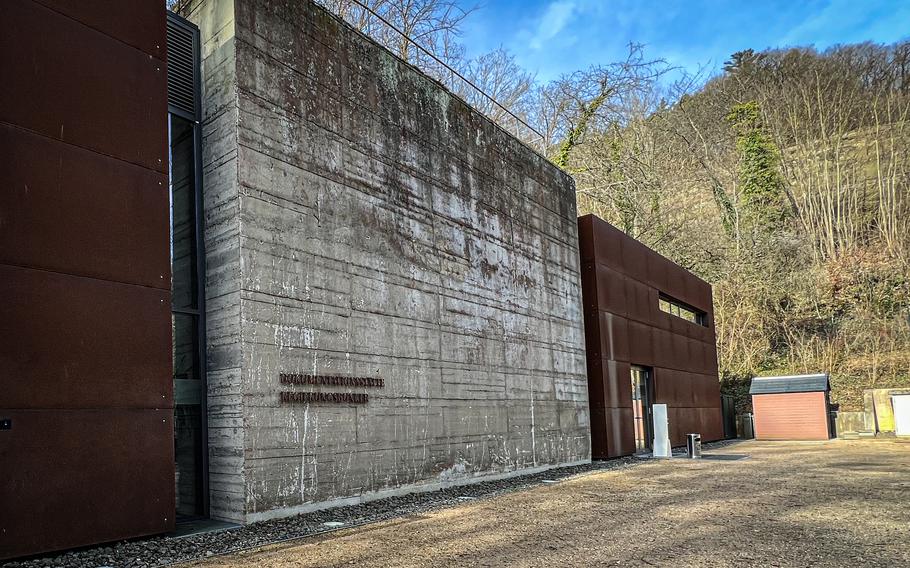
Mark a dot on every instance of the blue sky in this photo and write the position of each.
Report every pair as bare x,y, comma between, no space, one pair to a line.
551,37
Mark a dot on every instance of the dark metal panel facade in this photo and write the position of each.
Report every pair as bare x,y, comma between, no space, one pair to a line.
620,432
622,281
85,332
82,343
60,193
67,81
77,477
137,23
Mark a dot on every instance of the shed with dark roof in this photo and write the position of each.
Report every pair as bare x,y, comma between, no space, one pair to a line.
793,407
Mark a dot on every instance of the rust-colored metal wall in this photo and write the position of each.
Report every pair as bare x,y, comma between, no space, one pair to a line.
791,416
624,326
85,332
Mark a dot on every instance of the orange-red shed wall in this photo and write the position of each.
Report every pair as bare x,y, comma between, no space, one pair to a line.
790,416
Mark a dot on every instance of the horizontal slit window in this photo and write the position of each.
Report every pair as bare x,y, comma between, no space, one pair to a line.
682,310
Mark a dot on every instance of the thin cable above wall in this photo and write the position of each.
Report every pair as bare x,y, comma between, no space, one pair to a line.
518,122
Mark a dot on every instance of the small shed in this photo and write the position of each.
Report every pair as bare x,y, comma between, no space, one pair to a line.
791,407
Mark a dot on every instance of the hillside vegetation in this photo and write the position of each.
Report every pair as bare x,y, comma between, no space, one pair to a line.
785,182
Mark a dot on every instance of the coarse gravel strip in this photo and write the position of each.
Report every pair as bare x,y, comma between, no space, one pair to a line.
162,551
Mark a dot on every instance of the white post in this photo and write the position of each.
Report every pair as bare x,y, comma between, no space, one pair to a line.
901,406
661,443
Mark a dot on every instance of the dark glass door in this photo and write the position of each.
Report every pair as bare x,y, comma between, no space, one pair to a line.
189,381
641,408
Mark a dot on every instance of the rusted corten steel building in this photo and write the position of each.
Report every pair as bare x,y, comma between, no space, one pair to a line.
86,444
649,323
253,264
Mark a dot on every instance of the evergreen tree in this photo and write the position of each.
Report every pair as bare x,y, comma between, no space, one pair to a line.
761,184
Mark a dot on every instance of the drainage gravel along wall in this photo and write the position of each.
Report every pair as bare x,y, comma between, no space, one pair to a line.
363,223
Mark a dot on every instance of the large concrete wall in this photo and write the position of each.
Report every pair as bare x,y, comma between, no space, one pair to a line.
363,222
624,325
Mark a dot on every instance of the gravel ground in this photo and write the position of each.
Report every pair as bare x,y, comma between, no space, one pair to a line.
162,551
836,503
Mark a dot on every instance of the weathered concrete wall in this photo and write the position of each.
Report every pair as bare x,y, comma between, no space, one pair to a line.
221,195
884,412
369,224
850,424
876,418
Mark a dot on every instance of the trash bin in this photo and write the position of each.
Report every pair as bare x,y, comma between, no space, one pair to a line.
746,428
693,445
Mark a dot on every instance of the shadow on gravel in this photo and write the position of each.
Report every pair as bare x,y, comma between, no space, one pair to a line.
161,551
784,507
724,457
790,504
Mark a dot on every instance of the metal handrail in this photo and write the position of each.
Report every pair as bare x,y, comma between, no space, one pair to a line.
453,71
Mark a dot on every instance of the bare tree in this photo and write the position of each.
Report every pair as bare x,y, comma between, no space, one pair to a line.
434,25
599,98
499,78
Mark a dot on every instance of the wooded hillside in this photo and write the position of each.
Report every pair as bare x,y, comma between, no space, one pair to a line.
784,182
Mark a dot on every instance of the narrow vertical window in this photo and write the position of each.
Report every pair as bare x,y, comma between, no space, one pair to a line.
187,292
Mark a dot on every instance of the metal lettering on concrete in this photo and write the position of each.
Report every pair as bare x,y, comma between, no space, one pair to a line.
329,397
294,379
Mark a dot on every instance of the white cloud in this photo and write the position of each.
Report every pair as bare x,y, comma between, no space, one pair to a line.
846,21
554,19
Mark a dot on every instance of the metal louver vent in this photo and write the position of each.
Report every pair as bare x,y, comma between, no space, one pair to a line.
182,67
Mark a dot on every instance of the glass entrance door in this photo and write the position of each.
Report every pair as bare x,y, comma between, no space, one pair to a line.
641,408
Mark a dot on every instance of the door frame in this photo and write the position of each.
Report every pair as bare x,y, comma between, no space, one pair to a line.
637,372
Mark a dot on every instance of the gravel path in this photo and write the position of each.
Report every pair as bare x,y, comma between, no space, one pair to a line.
837,503
162,551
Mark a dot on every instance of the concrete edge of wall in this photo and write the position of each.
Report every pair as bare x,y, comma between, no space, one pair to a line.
399,491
